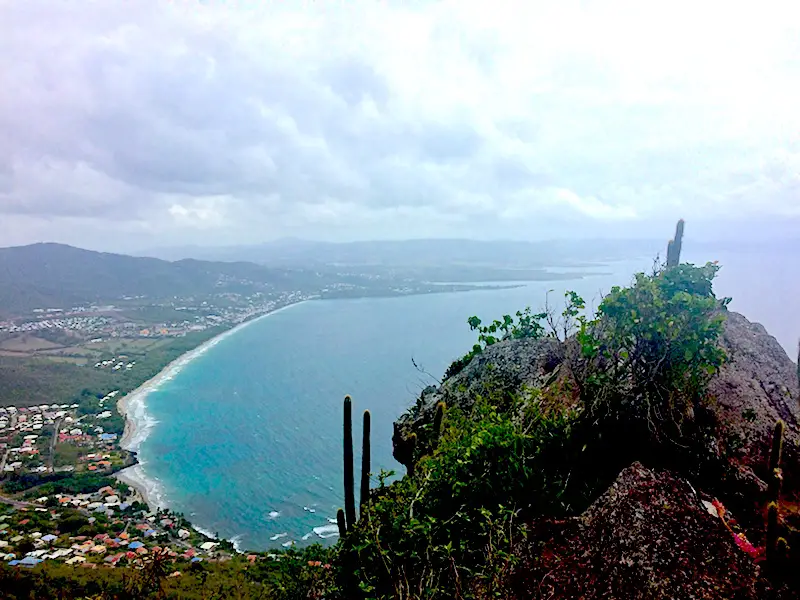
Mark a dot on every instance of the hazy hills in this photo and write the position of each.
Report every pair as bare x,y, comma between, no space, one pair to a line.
421,253
56,275
438,253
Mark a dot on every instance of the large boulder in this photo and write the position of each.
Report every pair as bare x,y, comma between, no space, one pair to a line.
756,387
648,536
508,366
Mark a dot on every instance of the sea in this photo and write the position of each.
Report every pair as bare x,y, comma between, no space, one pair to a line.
245,437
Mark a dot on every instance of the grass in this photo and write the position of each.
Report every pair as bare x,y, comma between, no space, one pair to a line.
66,454
32,380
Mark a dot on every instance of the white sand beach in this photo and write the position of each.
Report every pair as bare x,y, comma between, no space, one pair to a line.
138,422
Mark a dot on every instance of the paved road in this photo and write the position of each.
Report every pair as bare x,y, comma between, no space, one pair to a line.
52,453
18,504
12,426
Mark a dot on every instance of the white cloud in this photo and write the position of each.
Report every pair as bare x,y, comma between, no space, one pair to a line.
364,119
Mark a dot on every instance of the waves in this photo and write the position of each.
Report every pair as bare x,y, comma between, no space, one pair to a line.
139,423
150,488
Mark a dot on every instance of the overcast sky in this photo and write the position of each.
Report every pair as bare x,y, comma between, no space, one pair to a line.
132,124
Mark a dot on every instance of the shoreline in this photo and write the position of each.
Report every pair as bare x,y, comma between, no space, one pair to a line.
138,423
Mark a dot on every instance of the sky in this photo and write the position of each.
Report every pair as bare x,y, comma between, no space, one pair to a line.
133,124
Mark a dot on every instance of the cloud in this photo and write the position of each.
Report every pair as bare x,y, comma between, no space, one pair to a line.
133,123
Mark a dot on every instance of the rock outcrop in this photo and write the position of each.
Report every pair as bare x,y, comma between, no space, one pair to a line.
508,366
756,387
648,536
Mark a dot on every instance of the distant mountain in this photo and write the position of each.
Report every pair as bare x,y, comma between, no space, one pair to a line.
60,276
420,253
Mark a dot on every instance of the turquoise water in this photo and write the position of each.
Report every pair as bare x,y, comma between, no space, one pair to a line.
248,435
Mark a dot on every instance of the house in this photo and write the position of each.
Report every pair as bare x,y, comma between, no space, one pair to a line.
49,538
208,546
75,560
183,534
29,562
135,545
98,550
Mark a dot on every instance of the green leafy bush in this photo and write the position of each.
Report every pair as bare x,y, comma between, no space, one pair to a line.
652,348
451,527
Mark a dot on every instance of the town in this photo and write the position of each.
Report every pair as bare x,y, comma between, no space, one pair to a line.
94,322
65,449
59,499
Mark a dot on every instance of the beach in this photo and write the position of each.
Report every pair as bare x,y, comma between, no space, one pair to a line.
138,423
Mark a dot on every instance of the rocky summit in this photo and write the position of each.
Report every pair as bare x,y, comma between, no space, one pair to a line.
651,534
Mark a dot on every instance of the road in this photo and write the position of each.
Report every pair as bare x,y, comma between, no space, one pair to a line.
52,453
12,426
18,504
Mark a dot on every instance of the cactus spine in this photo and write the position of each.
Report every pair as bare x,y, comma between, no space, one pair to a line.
782,548
437,423
365,462
675,245
349,484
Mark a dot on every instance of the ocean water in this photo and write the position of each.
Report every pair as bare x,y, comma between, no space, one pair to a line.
246,438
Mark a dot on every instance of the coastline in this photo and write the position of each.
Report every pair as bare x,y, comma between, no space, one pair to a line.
138,423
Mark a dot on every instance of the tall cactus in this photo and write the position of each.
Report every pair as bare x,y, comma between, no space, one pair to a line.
365,462
775,480
772,532
777,446
411,465
437,423
341,523
675,245
349,484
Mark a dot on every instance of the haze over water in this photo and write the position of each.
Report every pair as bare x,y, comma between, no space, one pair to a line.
249,435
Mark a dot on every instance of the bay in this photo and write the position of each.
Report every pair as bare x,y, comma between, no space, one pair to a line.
247,440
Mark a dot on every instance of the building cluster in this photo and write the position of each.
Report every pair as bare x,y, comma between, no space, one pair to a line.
105,529
30,437
228,309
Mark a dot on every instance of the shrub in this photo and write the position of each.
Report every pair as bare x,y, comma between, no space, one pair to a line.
450,529
652,348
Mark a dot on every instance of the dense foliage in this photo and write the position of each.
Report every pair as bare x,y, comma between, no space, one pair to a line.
527,325
653,346
291,575
451,527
